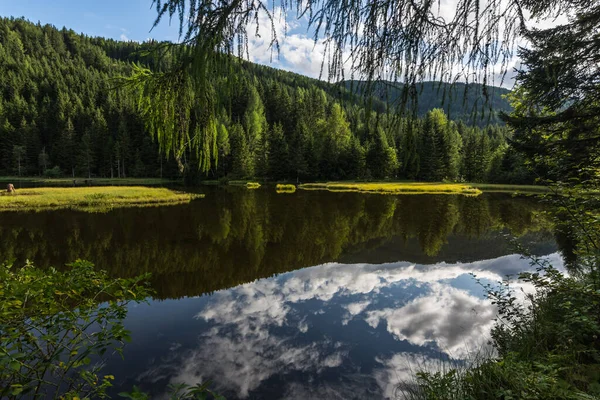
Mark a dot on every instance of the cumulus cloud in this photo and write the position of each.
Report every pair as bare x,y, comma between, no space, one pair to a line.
297,51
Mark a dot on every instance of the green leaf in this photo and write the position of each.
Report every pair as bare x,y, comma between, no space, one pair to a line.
16,389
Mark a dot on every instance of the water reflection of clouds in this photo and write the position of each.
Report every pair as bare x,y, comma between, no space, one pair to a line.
449,318
264,332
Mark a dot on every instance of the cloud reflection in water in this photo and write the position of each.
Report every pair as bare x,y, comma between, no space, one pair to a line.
337,331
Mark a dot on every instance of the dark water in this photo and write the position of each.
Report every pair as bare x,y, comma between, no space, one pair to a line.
305,295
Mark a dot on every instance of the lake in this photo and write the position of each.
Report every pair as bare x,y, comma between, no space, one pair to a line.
305,295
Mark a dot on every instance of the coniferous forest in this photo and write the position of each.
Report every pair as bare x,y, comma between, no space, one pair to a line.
64,113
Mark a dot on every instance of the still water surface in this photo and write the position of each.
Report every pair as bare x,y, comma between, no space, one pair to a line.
304,295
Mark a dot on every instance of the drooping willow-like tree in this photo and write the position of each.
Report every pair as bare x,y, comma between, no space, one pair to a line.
406,41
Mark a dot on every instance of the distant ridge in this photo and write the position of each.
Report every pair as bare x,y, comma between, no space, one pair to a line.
459,100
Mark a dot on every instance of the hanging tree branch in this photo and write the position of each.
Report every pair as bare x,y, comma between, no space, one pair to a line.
406,41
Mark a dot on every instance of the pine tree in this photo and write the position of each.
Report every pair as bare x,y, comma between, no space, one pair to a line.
43,160
429,150
297,151
242,160
410,156
381,158
86,155
18,154
278,155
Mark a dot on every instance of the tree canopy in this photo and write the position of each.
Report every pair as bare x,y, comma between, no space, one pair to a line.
557,107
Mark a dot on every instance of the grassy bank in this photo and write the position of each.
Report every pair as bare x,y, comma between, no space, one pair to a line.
90,198
247,184
394,187
285,188
85,181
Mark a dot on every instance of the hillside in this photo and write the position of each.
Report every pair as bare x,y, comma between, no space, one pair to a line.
61,114
463,102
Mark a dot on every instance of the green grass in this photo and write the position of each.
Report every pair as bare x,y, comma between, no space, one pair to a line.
92,199
405,187
285,188
252,185
394,187
82,181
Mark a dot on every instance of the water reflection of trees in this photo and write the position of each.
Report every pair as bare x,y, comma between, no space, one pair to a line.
236,236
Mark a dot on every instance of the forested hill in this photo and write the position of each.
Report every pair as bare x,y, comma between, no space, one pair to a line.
469,103
60,114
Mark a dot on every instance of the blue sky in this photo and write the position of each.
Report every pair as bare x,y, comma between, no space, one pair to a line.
121,20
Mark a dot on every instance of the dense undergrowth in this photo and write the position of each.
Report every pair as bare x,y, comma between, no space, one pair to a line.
57,328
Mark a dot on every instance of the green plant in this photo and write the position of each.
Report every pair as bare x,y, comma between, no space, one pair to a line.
56,327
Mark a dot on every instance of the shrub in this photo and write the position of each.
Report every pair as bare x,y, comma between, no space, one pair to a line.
54,172
52,324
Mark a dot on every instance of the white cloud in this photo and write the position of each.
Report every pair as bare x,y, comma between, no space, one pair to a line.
297,51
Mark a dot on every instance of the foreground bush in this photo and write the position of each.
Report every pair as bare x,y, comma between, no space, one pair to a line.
56,327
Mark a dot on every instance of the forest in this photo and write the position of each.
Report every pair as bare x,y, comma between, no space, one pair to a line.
64,112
